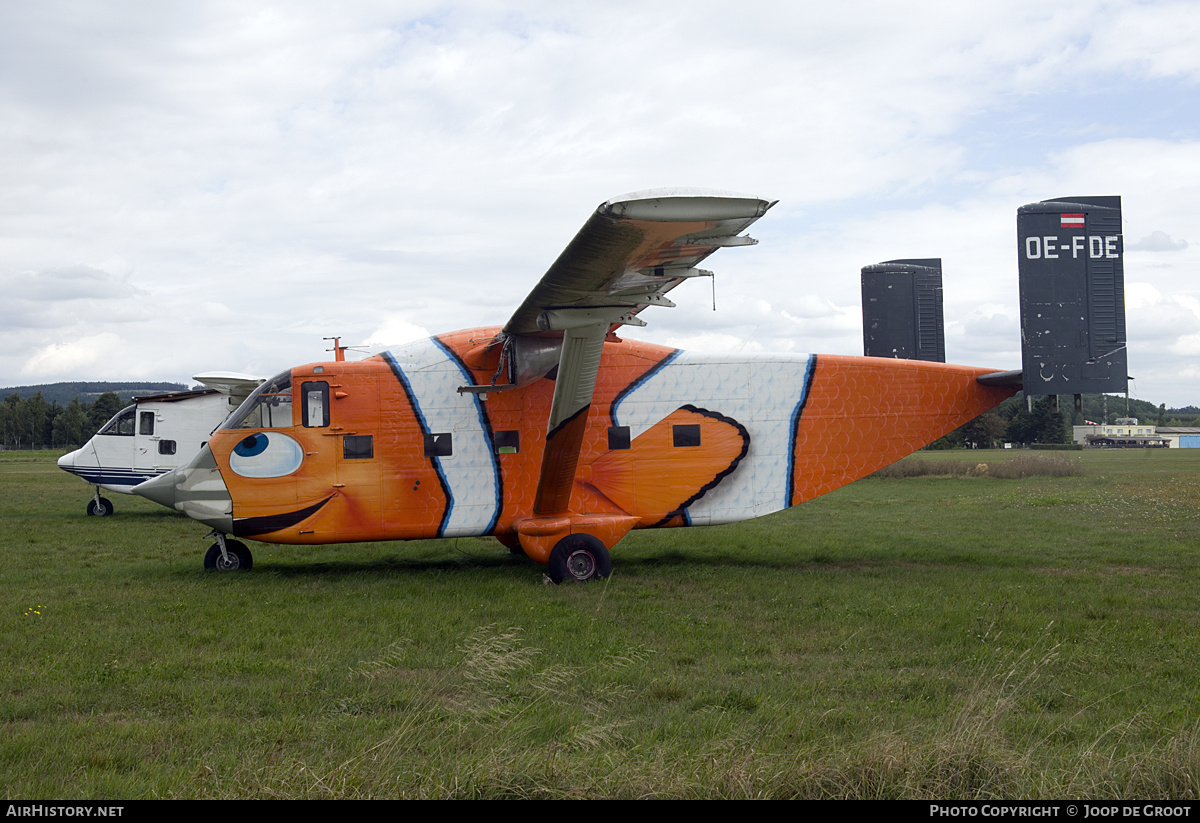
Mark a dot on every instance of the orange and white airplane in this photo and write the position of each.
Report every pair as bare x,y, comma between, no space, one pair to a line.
556,435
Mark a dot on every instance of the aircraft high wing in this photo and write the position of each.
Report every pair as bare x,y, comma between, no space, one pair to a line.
630,253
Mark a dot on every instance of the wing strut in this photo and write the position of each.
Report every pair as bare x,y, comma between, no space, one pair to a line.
577,369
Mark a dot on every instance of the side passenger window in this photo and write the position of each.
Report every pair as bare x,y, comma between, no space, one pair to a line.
439,445
507,442
685,435
618,437
358,447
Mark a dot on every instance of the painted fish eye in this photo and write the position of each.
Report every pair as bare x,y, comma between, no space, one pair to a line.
253,445
266,455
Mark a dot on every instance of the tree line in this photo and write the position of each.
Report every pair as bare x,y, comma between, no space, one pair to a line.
34,423
63,393
1013,422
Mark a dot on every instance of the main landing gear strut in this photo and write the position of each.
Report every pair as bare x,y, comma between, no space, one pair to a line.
227,555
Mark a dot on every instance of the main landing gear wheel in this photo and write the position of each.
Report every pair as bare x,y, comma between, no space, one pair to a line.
579,558
100,507
239,557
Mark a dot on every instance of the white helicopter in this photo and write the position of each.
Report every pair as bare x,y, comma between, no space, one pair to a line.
155,435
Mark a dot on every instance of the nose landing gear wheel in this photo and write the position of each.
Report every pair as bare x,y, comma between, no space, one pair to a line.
100,507
239,557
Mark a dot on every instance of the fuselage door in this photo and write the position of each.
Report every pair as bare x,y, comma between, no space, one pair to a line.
349,407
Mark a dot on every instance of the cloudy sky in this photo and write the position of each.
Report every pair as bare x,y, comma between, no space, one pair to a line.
219,185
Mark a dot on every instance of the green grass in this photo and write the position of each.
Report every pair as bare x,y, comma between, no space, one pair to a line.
925,637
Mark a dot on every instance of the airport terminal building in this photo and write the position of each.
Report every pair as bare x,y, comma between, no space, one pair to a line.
1127,433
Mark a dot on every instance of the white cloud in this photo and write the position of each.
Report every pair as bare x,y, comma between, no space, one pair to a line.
1141,295
1157,241
72,358
252,178
394,332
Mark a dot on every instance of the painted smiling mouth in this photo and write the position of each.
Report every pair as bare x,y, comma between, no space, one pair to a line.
251,526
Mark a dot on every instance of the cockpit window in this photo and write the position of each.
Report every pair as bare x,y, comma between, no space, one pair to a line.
121,423
269,407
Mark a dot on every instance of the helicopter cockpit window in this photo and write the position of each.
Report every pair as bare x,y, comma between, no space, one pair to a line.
121,423
269,407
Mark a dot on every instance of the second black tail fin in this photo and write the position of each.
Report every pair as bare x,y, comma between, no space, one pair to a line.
902,310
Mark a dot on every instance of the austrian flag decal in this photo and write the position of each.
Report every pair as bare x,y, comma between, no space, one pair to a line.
1072,221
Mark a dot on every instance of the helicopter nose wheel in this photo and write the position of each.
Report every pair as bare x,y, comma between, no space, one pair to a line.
99,507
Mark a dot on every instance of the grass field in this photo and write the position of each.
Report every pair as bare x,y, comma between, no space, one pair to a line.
927,637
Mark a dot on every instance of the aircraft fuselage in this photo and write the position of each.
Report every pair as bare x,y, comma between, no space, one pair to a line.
388,448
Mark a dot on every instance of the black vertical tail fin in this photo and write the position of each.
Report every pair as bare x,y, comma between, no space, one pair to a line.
902,310
1072,279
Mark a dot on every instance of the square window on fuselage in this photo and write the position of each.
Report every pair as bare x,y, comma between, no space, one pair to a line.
508,442
618,437
358,446
685,435
439,444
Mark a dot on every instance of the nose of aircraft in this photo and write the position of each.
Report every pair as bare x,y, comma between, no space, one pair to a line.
196,489
75,462
160,489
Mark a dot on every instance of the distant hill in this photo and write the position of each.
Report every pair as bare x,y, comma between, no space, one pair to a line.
87,392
